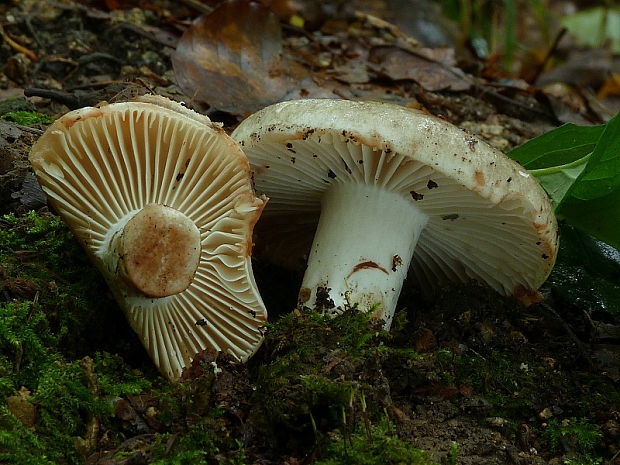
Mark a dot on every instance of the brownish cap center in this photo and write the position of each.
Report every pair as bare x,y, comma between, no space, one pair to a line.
160,248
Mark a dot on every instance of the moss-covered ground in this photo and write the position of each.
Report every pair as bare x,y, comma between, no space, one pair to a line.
469,378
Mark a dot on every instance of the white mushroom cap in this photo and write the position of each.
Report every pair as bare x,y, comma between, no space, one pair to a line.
162,201
392,186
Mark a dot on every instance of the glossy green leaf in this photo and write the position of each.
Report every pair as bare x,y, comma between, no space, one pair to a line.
587,272
579,167
599,217
561,146
558,157
602,174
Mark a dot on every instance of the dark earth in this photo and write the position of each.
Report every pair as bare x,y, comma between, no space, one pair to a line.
468,376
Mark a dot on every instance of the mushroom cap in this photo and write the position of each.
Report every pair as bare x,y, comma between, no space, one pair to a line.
117,172
489,219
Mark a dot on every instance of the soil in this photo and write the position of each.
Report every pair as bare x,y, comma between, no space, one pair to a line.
470,377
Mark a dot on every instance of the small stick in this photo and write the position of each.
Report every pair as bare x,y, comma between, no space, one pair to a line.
549,54
17,47
197,5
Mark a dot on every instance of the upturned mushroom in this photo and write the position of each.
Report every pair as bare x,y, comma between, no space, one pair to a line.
162,201
368,191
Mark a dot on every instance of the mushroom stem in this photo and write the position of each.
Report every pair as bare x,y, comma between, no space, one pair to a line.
362,249
155,250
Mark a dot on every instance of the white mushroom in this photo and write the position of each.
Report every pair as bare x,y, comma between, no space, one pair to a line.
393,187
162,201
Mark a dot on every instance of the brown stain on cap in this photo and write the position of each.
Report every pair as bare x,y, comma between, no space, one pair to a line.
480,179
69,121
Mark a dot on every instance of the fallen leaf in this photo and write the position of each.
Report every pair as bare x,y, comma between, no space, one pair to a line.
231,58
424,340
431,68
22,409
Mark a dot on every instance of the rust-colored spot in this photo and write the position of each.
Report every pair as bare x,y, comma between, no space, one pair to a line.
539,227
304,295
259,170
92,113
526,296
479,176
252,218
367,265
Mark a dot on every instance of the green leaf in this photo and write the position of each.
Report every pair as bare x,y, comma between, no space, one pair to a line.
562,146
587,272
592,204
579,167
599,217
595,26
602,174
559,157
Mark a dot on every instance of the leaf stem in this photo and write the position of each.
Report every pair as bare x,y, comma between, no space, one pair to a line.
555,169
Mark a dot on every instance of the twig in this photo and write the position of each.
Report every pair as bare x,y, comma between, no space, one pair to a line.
197,5
33,31
70,100
17,47
549,54
92,424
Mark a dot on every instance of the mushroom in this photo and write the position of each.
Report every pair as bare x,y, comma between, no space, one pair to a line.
162,201
368,191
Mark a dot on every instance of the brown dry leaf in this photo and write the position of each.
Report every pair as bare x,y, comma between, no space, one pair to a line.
567,103
352,72
22,409
424,340
610,87
231,58
583,69
433,69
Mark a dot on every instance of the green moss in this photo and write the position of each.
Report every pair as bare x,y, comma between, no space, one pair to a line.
297,378
502,378
24,344
18,444
576,436
67,398
202,444
42,264
55,315
370,445
27,118
315,369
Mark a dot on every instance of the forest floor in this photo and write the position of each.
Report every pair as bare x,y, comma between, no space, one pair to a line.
468,377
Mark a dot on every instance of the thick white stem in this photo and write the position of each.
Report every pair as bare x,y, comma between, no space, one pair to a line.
362,250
